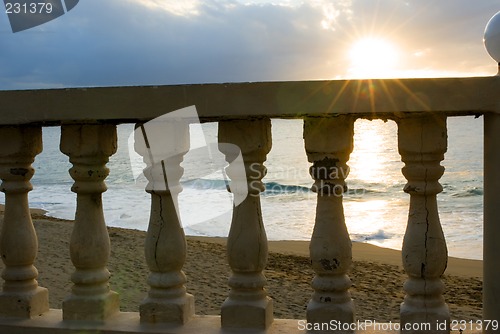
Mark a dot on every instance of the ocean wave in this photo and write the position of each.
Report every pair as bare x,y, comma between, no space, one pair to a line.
272,188
364,191
206,184
474,191
356,191
379,235
276,188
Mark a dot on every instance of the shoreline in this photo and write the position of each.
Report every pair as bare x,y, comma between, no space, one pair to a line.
364,252
361,251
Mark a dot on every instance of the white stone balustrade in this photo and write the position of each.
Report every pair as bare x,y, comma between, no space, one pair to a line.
422,144
21,296
162,146
248,305
328,143
89,148
329,108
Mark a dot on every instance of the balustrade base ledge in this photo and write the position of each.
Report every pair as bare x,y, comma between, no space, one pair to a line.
129,322
179,310
97,308
237,314
26,305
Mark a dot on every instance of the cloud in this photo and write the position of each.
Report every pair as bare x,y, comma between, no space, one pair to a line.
181,8
141,42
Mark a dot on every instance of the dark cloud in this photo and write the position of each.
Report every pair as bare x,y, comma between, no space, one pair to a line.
118,42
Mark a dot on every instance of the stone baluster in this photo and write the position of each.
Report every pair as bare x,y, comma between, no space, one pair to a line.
422,144
328,143
162,146
21,295
89,148
247,305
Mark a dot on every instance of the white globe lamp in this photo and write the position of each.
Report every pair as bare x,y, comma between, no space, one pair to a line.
492,38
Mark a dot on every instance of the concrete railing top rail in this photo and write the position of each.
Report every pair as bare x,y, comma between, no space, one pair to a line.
381,98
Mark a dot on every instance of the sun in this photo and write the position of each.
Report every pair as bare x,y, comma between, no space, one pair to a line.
373,57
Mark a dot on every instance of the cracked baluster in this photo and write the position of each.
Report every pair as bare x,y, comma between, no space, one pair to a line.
247,305
21,295
422,144
162,146
328,143
89,148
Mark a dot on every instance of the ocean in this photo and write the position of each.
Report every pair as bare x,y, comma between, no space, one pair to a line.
375,206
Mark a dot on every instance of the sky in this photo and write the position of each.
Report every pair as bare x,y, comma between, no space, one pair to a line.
159,42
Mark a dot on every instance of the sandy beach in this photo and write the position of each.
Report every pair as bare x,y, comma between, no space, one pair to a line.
376,274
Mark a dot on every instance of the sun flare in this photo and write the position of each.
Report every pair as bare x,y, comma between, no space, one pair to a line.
373,57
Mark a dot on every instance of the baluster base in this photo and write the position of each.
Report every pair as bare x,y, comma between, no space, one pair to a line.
177,311
24,305
437,317
257,314
324,312
87,308
424,304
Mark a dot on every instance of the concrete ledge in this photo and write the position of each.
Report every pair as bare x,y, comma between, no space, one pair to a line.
129,322
382,98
